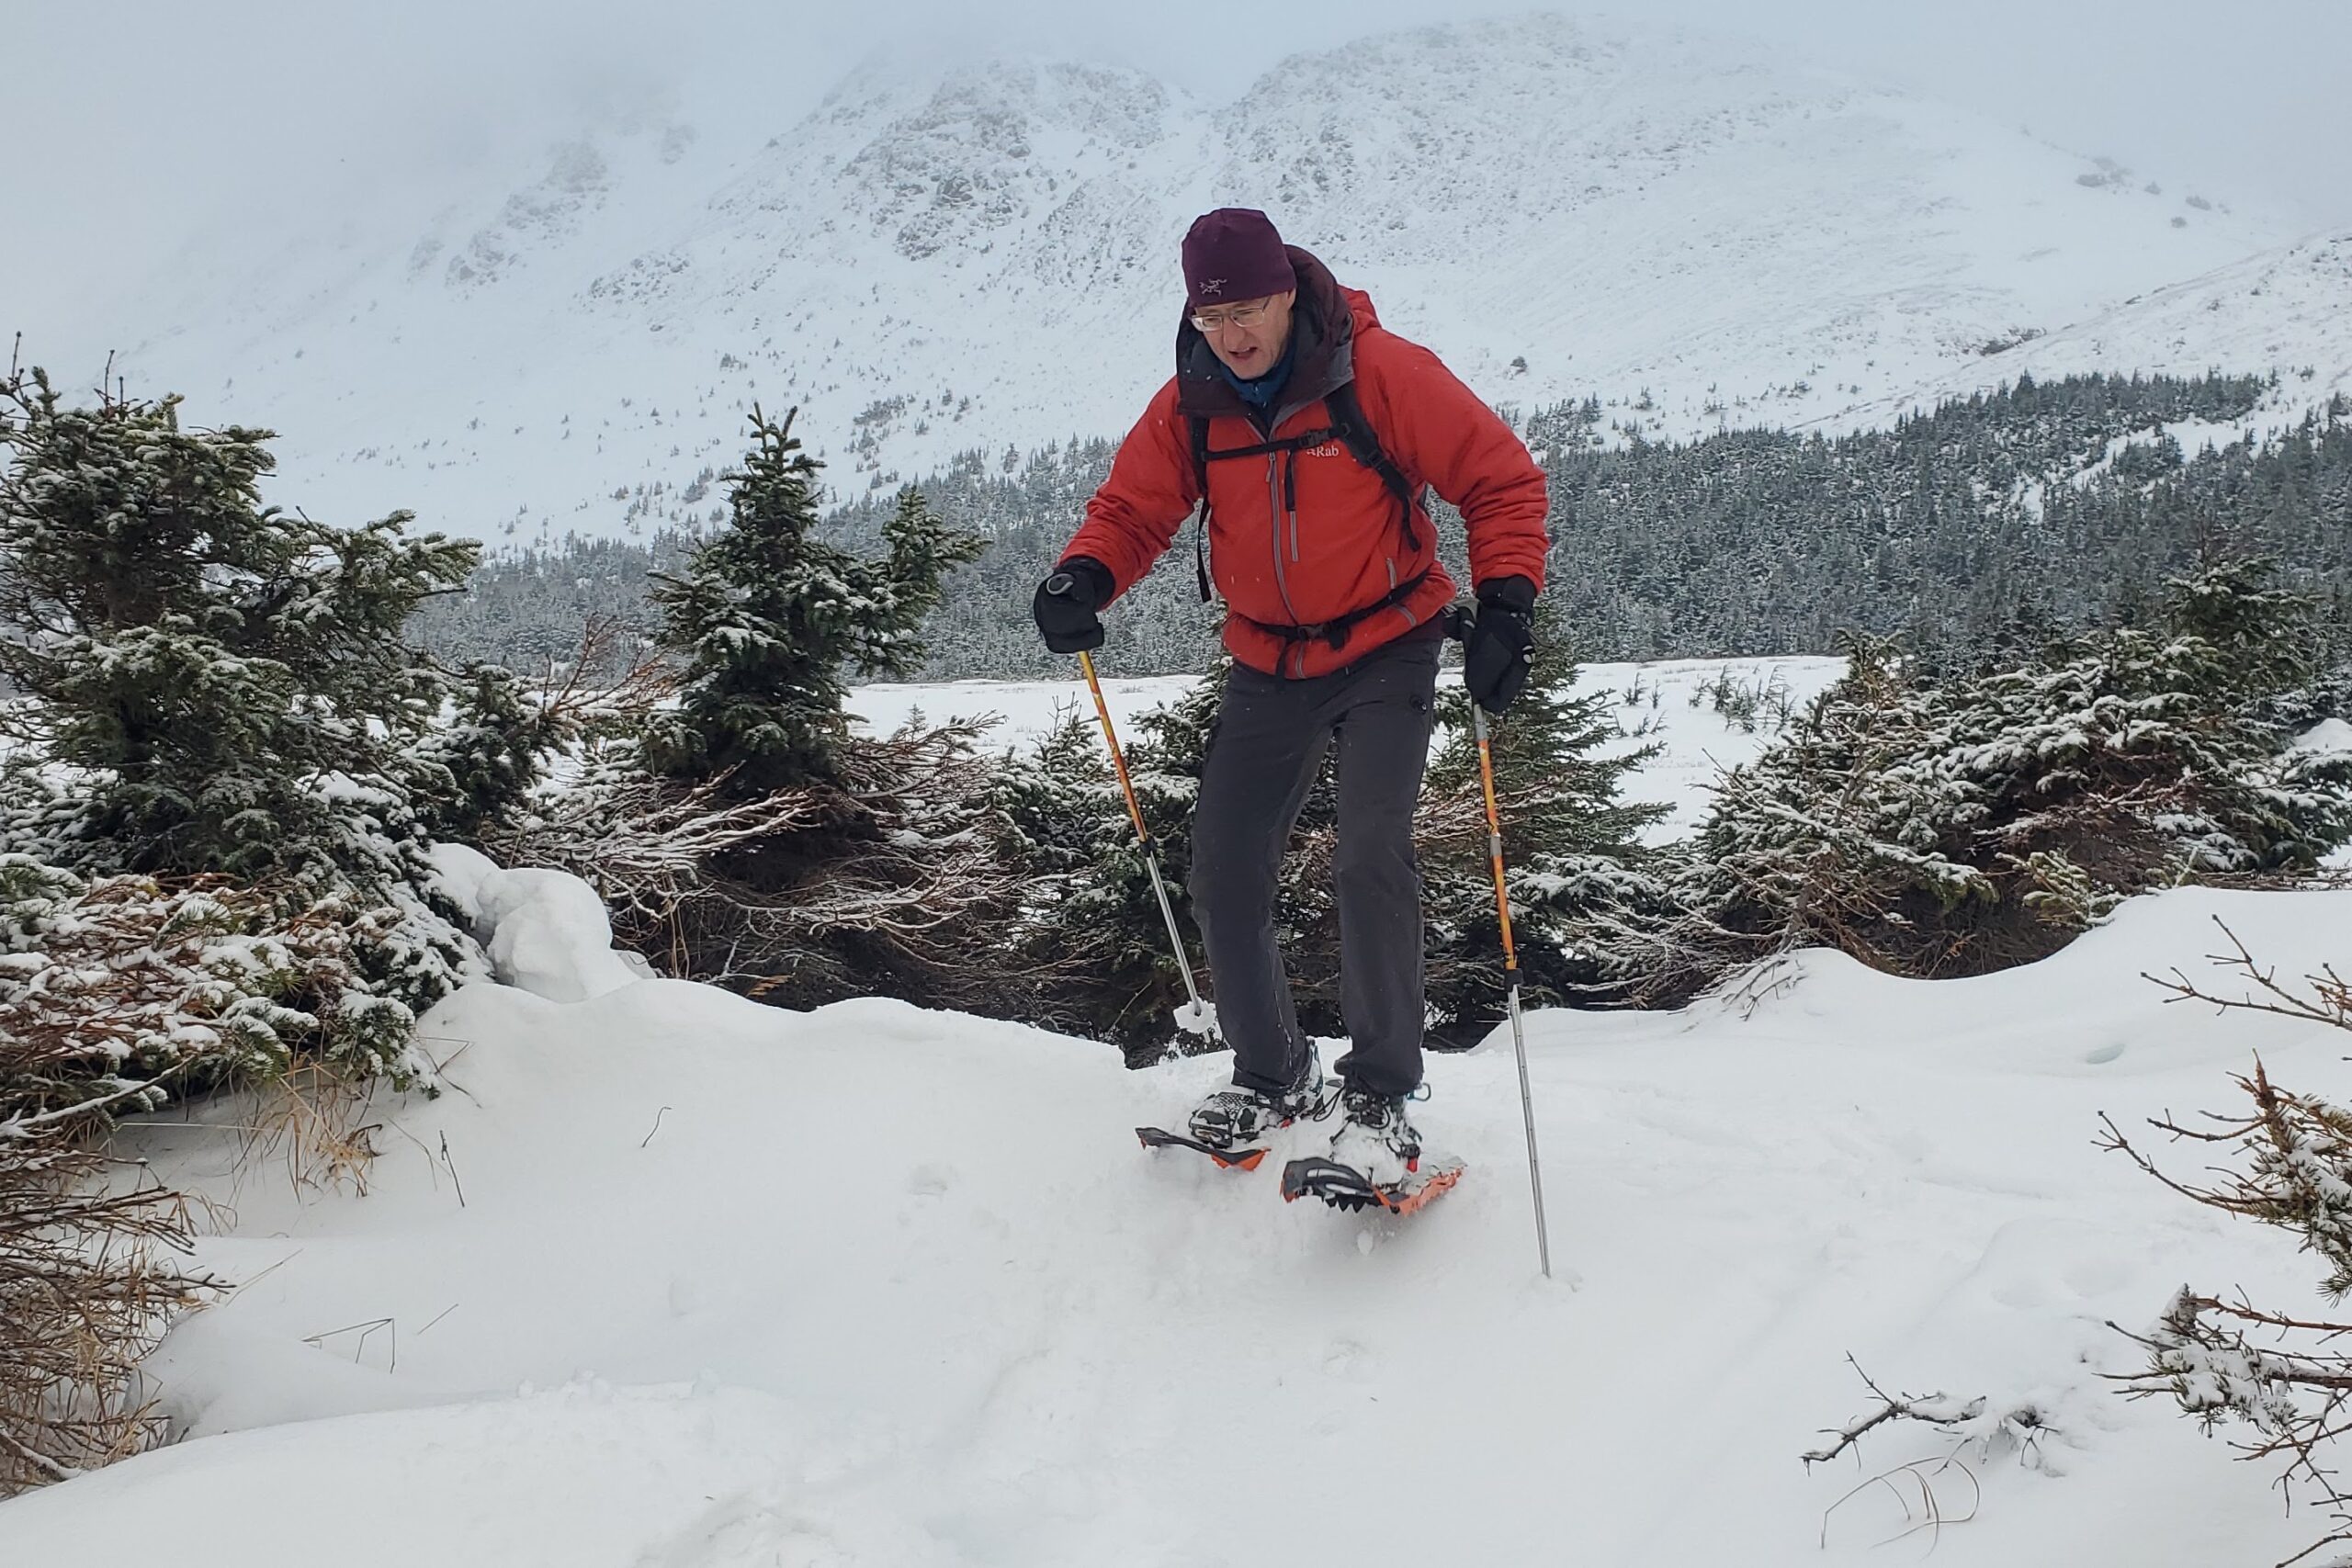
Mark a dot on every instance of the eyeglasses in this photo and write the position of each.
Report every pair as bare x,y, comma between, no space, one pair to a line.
1239,316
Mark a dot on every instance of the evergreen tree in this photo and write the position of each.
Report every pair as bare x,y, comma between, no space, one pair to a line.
219,734
1571,841
477,771
226,681
1088,911
1572,847
768,616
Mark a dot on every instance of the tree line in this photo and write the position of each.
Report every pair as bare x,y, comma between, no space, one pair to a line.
1968,532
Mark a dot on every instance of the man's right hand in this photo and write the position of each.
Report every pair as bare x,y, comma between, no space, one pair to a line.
1066,603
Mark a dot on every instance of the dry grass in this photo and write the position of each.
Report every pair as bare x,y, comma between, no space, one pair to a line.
88,1283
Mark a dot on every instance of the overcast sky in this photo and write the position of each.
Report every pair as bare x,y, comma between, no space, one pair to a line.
132,119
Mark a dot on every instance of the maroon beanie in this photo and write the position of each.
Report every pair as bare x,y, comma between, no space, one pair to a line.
1234,253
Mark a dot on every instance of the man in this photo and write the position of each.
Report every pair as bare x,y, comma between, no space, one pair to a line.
1309,432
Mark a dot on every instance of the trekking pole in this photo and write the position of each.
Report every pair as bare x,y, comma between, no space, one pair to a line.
1150,851
1510,977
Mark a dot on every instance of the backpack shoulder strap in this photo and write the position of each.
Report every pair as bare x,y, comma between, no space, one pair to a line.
1363,443
1198,428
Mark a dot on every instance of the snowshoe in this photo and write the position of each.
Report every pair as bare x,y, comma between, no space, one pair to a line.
1228,1159
1376,1158
1231,1124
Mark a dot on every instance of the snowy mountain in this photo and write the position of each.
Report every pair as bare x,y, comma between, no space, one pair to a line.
983,255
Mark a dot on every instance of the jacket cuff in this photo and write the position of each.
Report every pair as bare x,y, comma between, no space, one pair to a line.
1096,574
1512,593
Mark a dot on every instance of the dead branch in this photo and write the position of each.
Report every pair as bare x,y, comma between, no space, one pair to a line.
1934,1409
2329,1001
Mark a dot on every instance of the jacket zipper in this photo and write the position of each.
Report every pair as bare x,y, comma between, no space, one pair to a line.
1290,498
1281,583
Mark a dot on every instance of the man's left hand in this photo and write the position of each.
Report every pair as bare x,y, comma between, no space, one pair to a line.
1500,646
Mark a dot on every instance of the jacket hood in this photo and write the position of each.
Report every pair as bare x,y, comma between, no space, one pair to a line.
1324,324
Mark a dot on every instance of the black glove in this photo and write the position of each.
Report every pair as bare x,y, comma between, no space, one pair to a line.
1500,643
1066,602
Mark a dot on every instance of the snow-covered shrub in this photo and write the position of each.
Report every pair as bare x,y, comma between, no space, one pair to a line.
1574,862
888,880
479,769
1086,913
119,994
742,835
1959,826
206,664
213,688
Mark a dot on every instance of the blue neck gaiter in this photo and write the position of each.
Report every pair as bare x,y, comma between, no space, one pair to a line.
1261,392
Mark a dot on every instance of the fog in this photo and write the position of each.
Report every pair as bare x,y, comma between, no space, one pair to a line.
136,123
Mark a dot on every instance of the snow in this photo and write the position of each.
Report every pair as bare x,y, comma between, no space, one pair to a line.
1021,711
670,1278
2329,734
545,932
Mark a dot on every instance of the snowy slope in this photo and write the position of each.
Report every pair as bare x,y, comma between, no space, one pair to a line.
2289,309
948,256
671,1278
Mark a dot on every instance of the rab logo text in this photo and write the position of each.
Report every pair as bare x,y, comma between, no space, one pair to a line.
1328,449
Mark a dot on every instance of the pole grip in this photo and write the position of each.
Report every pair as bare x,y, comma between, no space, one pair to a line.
1495,841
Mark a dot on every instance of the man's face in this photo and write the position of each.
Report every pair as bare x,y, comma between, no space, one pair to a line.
1248,334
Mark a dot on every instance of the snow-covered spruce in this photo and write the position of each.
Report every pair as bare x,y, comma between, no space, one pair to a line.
121,994
1572,844
1958,825
213,688
768,617
744,833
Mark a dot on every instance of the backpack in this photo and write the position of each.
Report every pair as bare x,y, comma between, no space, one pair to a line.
1351,429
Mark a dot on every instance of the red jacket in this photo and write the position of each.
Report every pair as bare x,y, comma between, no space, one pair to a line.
1342,547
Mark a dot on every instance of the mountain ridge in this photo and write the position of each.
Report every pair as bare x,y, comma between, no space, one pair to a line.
980,257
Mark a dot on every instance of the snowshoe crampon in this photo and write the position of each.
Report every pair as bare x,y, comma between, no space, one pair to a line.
1344,1187
1231,1160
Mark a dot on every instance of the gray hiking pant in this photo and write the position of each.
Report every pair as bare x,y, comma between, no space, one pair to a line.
1262,758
